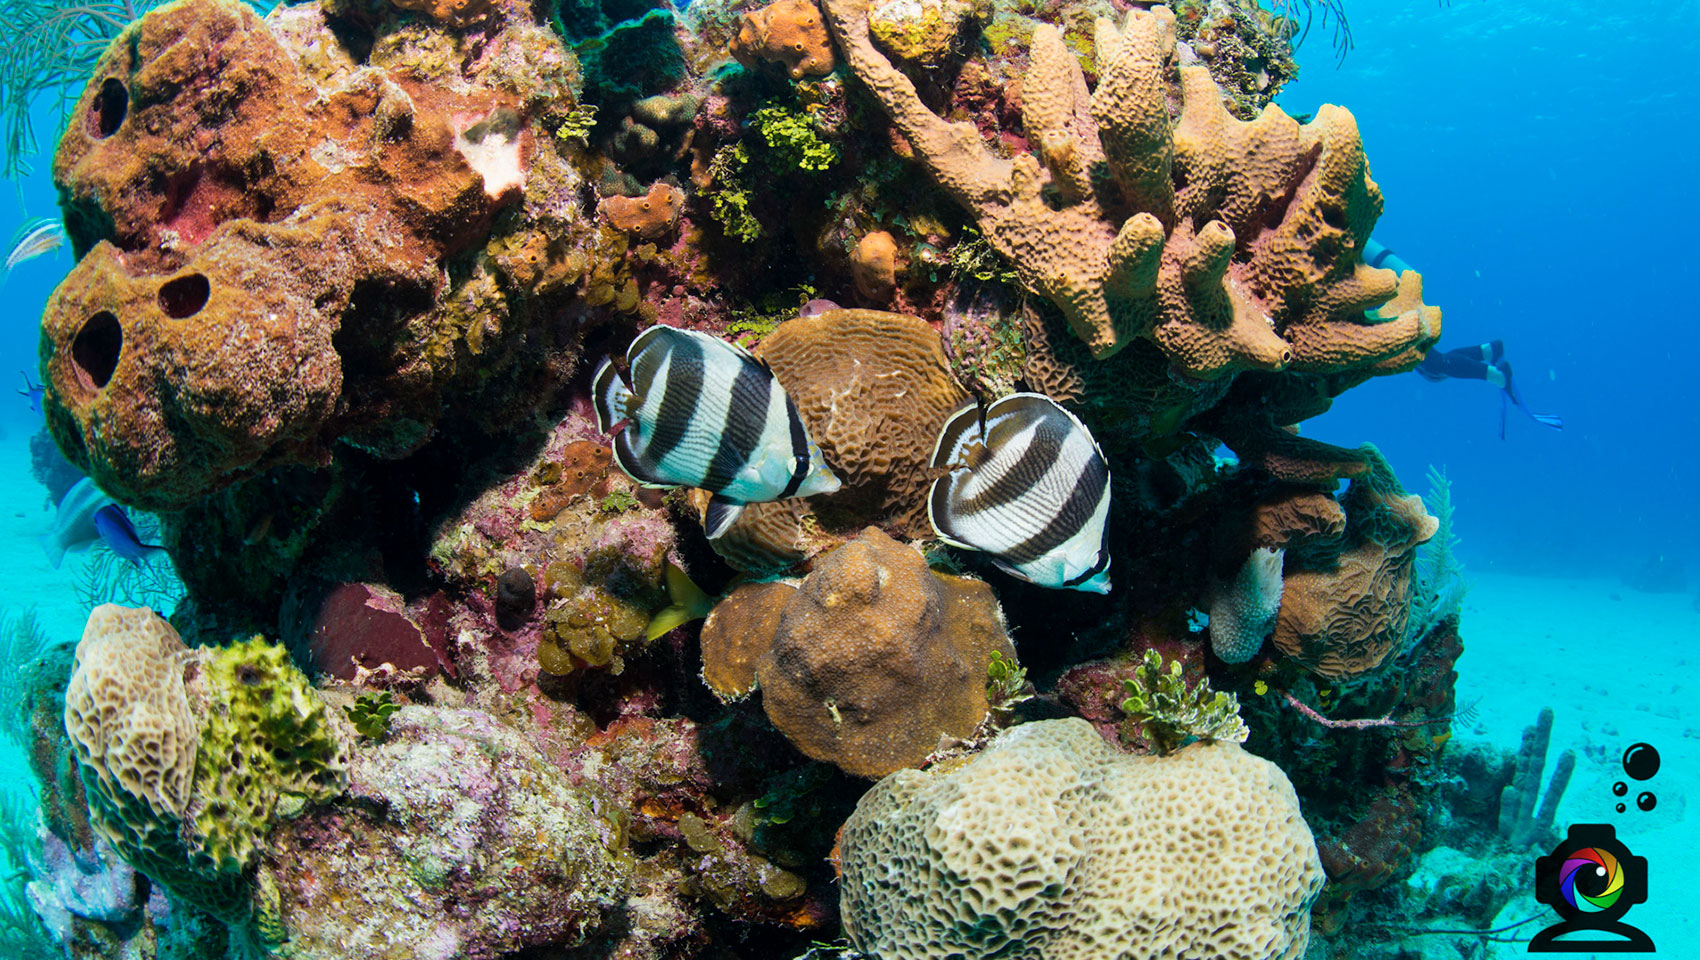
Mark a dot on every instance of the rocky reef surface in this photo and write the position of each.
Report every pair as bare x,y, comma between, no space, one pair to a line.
438,687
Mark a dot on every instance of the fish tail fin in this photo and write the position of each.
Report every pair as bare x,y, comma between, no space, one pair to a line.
51,546
609,394
689,603
719,516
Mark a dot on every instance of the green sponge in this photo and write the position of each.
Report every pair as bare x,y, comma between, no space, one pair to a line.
265,739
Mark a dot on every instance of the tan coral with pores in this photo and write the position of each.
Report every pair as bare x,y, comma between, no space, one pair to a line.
1052,845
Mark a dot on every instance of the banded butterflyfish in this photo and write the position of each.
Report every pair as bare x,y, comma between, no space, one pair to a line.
701,412
1029,487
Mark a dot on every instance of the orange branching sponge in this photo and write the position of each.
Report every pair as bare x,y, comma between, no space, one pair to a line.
1231,245
650,217
869,661
788,32
1345,605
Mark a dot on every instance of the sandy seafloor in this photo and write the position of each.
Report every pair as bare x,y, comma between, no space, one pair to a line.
1615,664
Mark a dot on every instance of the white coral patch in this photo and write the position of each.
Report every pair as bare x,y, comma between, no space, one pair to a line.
497,155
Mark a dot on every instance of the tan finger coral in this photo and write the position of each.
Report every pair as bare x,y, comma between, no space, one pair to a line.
1231,245
1052,845
1346,604
876,657
874,388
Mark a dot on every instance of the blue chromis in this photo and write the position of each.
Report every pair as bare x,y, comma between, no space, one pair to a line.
700,412
1028,486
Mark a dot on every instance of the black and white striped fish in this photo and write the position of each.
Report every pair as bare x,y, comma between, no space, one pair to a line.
1027,485
701,412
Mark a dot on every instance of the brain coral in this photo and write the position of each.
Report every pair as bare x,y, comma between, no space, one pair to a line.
1050,844
874,389
1231,245
1346,602
186,754
875,657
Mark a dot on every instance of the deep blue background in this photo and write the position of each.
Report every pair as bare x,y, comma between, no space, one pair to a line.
1539,166
1538,161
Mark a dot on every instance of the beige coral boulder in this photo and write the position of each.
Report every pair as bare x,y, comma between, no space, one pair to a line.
1052,845
869,662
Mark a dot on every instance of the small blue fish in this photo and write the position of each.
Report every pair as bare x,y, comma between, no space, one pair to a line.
120,534
34,239
74,525
701,412
32,390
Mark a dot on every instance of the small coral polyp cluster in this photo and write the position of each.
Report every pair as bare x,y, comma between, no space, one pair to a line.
343,274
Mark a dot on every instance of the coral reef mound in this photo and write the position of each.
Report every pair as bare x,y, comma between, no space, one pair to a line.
461,840
187,755
876,657
1051,844
874,389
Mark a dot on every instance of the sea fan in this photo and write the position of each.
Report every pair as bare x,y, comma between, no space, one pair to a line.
1438,592
1303,14
22,640
22,935
106,577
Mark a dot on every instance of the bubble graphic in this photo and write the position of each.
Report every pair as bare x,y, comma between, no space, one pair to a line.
1646,801
1641,761
1621,808
1619,788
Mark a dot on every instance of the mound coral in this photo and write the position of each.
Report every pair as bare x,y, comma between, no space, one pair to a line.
186,755
1345,602
1230,245
1051,844
871,660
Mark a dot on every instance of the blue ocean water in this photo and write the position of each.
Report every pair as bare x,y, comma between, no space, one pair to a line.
1538,161
1538,167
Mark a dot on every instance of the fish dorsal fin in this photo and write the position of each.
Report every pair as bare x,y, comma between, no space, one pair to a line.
608,395
719,516
963,427
1024,407
648,338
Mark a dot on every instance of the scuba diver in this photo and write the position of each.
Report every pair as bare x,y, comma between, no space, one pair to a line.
1484,362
